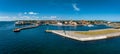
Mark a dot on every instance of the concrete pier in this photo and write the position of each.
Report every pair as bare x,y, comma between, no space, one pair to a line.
81,37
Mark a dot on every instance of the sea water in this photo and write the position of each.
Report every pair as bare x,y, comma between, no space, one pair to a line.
37,41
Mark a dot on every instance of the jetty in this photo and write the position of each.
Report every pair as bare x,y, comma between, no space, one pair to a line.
88,35
27,27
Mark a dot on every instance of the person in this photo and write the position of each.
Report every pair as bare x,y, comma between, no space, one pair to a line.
64,30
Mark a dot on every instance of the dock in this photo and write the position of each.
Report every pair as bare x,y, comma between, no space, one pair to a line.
84,37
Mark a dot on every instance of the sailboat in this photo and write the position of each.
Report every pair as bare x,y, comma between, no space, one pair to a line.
90,25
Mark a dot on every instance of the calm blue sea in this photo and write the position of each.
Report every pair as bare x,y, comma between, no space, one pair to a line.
37,41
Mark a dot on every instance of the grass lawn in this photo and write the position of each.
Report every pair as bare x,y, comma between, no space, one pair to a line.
99,32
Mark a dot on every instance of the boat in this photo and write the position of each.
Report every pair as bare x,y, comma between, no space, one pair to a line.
90,25
18,23
59,24
16,30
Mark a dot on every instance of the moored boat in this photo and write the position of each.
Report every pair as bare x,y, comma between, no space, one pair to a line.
16,30
90,25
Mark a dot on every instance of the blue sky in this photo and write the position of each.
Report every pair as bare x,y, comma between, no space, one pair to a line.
60,9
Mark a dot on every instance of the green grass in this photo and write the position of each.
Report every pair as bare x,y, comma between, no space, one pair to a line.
102,32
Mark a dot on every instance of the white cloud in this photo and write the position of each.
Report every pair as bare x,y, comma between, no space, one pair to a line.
32,13
25,12
12,18
53,17
75,7
49,17
24,17
5,17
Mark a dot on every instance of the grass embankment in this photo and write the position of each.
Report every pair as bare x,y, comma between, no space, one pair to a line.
99,32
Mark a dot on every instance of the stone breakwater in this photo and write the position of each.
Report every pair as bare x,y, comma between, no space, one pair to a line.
27,27
81,37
